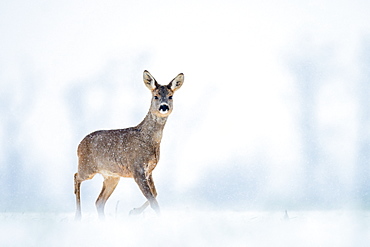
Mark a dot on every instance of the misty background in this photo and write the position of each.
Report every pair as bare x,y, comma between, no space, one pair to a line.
273,114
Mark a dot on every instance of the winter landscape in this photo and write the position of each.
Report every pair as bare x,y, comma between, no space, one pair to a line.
268,143
187,228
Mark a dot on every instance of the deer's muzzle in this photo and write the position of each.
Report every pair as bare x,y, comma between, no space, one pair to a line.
163,108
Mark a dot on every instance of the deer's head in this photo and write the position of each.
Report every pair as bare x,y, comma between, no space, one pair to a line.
162,102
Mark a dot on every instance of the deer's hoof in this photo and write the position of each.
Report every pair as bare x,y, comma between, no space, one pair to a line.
135,211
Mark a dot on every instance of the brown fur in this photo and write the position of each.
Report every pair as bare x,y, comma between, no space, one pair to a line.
131,152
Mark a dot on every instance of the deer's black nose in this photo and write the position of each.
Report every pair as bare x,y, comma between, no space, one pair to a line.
164,108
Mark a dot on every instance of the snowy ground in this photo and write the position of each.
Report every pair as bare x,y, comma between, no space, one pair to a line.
187,228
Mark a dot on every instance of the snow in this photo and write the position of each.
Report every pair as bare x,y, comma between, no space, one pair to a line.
189,228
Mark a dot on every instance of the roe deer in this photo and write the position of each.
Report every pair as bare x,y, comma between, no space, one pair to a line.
131,152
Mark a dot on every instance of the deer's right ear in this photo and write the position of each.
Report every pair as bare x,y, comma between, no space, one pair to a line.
149,81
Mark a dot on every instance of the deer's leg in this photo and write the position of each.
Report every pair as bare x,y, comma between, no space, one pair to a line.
151,185
109,184
78,182
78,179
145,187
139,210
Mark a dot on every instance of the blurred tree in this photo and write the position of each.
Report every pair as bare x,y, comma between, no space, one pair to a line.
17,98
363,162
306,72
312,66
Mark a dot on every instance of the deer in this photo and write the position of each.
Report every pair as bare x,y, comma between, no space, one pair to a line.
132,152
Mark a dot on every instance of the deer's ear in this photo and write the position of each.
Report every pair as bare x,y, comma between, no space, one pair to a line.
177,82
149,81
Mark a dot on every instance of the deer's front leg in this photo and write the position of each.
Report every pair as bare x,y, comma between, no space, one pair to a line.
145,188
139,210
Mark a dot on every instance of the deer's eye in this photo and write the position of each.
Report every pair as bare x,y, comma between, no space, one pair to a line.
155,97
170,97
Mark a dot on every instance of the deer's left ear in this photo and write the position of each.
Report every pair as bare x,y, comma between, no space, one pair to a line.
149,80
177,82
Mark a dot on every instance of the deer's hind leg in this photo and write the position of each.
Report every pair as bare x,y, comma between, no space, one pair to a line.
109,184
77,182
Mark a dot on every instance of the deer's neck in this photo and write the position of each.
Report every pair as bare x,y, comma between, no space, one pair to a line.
152,127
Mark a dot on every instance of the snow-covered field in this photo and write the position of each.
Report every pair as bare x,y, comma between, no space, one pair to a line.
189,228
